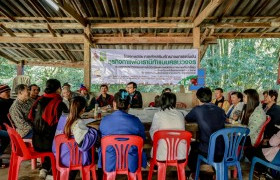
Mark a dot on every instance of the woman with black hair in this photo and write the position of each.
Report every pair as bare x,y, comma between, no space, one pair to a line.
168,118
44,115
120,122
253,115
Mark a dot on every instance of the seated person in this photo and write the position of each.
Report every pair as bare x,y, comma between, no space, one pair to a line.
34,91
89,99
271,154
253,115
66,95
135,97
273,110
74,127
5,104
234,112
156,103
105,99
220,100
265,94
19,111
120,122
44,116
68,86
166,90
168,118
210,118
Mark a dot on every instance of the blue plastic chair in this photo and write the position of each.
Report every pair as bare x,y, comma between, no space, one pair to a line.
233,138
265,163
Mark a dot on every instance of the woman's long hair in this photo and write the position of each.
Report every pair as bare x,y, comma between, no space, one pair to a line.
77,105
252,102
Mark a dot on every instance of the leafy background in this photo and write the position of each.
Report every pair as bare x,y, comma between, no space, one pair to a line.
230,64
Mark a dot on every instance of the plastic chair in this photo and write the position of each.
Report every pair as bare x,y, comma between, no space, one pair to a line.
258,141
122,145
28,142
265,163
172,139
75,159
233,138
20,152
260,136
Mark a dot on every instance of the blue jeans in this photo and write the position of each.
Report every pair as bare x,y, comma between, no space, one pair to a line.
5,141
29,135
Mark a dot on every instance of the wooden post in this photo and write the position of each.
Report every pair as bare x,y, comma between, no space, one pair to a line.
20,68
87,60
196,45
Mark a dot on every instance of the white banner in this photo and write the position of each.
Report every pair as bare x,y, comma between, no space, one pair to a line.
117,66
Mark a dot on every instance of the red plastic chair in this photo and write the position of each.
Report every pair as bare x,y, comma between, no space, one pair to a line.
28,142
75,159
172,139
260,136
122,144
20,152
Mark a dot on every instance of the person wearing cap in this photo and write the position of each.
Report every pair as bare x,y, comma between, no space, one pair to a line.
89,99
5,104
20,109
44,116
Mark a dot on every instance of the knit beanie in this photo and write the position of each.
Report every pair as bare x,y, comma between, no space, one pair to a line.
4,88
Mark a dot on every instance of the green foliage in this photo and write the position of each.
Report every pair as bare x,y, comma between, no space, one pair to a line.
242,64
7,72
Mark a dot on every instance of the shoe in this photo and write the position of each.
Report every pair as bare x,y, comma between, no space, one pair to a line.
43,174
49,177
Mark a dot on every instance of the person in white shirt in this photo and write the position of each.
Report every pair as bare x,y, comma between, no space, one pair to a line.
168,118
234,111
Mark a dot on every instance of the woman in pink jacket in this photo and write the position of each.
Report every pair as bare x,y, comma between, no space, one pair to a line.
270,154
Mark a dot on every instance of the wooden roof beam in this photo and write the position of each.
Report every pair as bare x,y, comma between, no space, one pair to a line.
72,12
10,32
78,39
7,15
52,63
148,40
41,49
206,12
245,25
9,58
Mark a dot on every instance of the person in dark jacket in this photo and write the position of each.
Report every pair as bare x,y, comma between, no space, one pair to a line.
44,116
135,100
104,99
210,118
273,110
5,104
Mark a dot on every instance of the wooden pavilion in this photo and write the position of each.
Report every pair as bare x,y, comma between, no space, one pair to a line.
61,32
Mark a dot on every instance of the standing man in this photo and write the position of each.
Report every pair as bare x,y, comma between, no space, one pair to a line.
105,99
135,96
220,100
5,104
34,91
19,111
